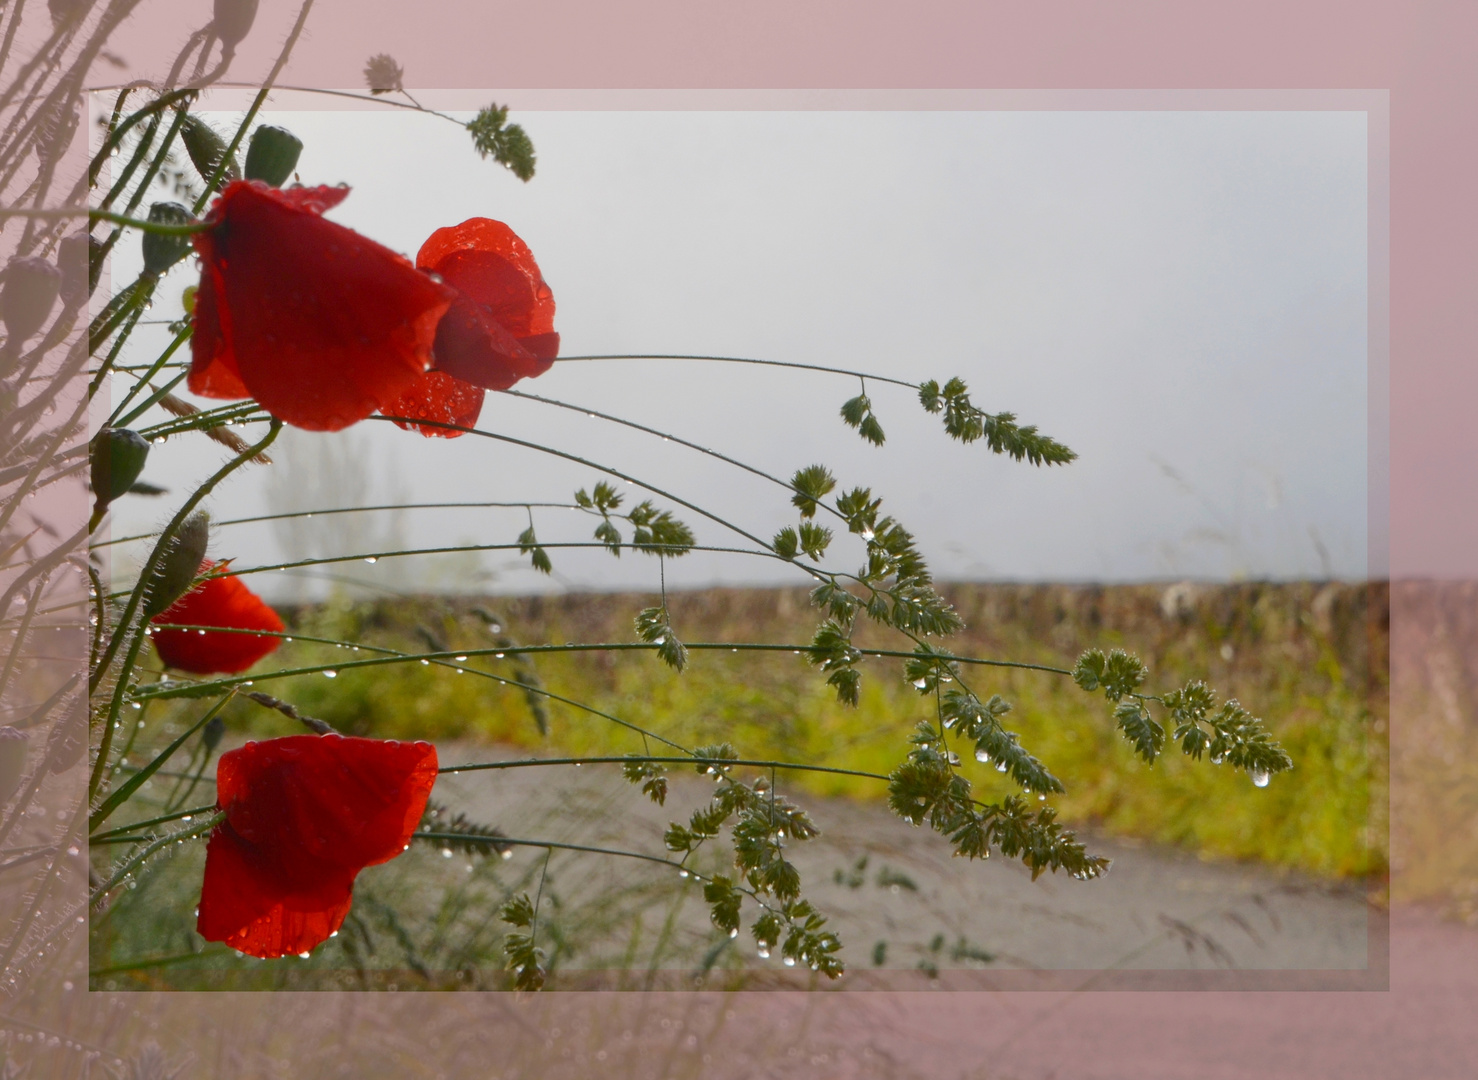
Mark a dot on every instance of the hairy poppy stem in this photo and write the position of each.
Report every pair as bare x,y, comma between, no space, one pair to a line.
125,626
148,226
138,779
138,860
124,830
114,421
116,133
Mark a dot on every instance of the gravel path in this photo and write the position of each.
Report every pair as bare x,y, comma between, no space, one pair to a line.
881,880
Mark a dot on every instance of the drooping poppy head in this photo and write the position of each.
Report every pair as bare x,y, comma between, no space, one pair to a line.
321,325
499,328
304,815
224,602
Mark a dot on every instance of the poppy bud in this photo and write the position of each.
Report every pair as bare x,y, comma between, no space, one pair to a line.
118,457
27,296
272,155
58,125
181,562
73,257
215,727
67,742
233,19
96,253
63,10
206,148
12,761
160,251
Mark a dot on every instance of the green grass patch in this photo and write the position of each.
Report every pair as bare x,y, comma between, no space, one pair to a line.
1310,659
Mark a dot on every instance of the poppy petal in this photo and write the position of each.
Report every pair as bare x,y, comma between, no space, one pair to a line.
467,256
440,397
224,602
213,373
242,904
501,327
320,323
304,815
473,346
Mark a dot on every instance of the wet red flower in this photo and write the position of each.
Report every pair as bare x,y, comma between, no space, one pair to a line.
499,328
304,815
223,602
321,325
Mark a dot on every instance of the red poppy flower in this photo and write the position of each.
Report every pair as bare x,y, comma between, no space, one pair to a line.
499,328
321,325
223,602
304,815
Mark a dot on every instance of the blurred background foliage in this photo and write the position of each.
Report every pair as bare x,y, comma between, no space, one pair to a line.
1310,659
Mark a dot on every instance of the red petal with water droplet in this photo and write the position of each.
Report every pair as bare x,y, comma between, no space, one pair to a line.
319,324
439,397
304,815
501,328
223,602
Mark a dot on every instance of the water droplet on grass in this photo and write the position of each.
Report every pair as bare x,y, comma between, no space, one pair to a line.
1260,777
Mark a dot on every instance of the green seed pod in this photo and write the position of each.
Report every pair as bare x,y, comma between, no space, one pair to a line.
181,562
272,155
12,761
211,735
162,252
206,149
118,457
27,296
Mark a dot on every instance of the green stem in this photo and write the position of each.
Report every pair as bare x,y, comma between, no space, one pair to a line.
155,227
125,627
220,170
551,451
133,734
136,295
360,510
739,360
552,845
138,860
122,339
194,689
794,766
666,436
138,779
113,421
116,134
123,830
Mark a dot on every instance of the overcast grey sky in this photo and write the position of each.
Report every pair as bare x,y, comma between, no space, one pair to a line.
1178,296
